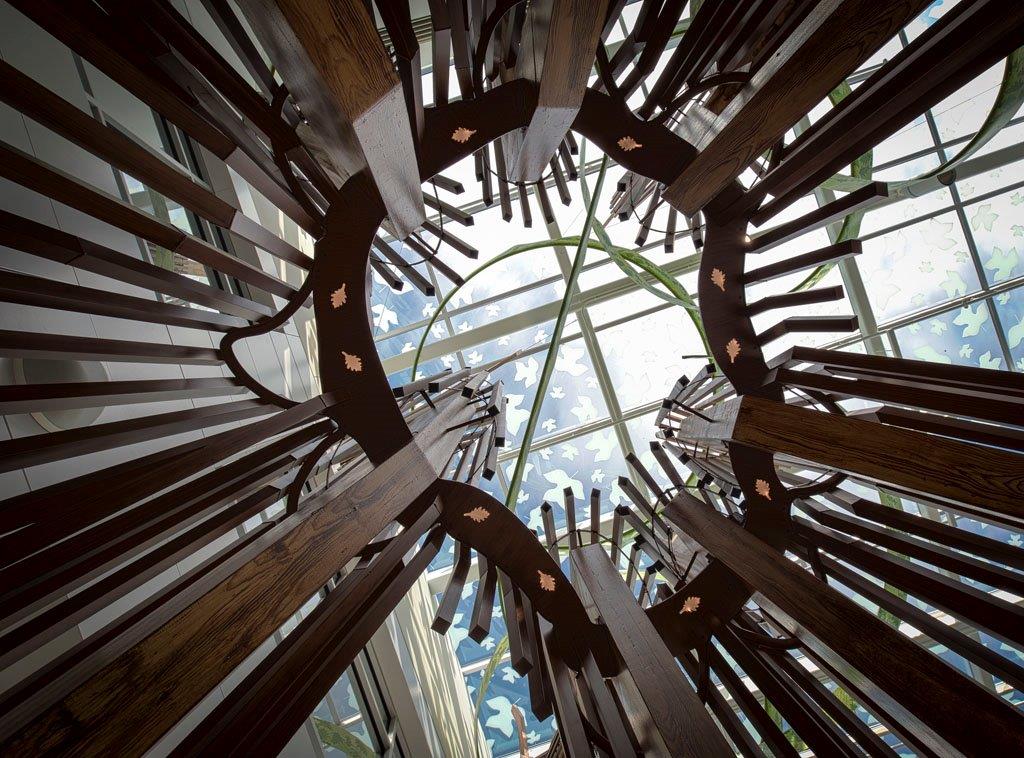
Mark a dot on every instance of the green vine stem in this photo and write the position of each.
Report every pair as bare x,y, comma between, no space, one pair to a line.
556,337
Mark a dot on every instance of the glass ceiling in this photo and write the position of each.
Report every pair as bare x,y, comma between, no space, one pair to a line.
941,278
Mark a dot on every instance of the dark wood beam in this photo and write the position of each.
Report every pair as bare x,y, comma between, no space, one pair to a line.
676,713
947,470
337,69
835,38
913,685
558,51
149,681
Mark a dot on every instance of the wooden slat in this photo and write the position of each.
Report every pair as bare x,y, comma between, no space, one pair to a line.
835,38
560,41
676,713
57,114
335,65
943,58
45,448
48,293
805,324
866,197
483,604
27,398
914,686
33,174
794,299
54,245
985,478
62,347
90,33
270,704
186,649
989,613
830,254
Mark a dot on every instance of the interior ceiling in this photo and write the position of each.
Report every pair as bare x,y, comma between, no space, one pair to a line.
677,345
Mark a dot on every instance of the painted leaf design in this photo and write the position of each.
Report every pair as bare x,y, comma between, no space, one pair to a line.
629,144
338,297
478,514
691,604
762,488
733,349
352,362
462,134
718,278
547,582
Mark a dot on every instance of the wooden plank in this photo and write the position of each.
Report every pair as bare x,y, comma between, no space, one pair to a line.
33,174
87,30
335,65
563,36
54,245
37,449
62,347
269,705
152,169
946,56
26,398
915,686
50,293
191,645
835,38
940,468
675,710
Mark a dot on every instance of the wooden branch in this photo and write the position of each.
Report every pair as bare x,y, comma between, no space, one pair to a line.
676,714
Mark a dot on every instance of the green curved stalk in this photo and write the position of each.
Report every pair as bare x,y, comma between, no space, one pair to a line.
1008,101
485,679
556,337
340,738
622,257
526,247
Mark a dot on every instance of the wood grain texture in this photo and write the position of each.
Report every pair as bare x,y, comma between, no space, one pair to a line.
675,710
944,469
568,30
835,38
943,708
335,65
196,641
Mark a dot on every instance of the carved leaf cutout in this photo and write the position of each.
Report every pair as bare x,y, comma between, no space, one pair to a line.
338,297
762,488
352,362
733,349
691,604
718,278
629,144
547,582
478,514
462,134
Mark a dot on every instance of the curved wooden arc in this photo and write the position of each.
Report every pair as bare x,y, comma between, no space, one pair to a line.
499,535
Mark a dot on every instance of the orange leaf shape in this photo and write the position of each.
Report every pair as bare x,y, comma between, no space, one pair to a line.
547,582
338,297
629,144
733,349
762,488
718,278
462,134
352,362
478,514
691,604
